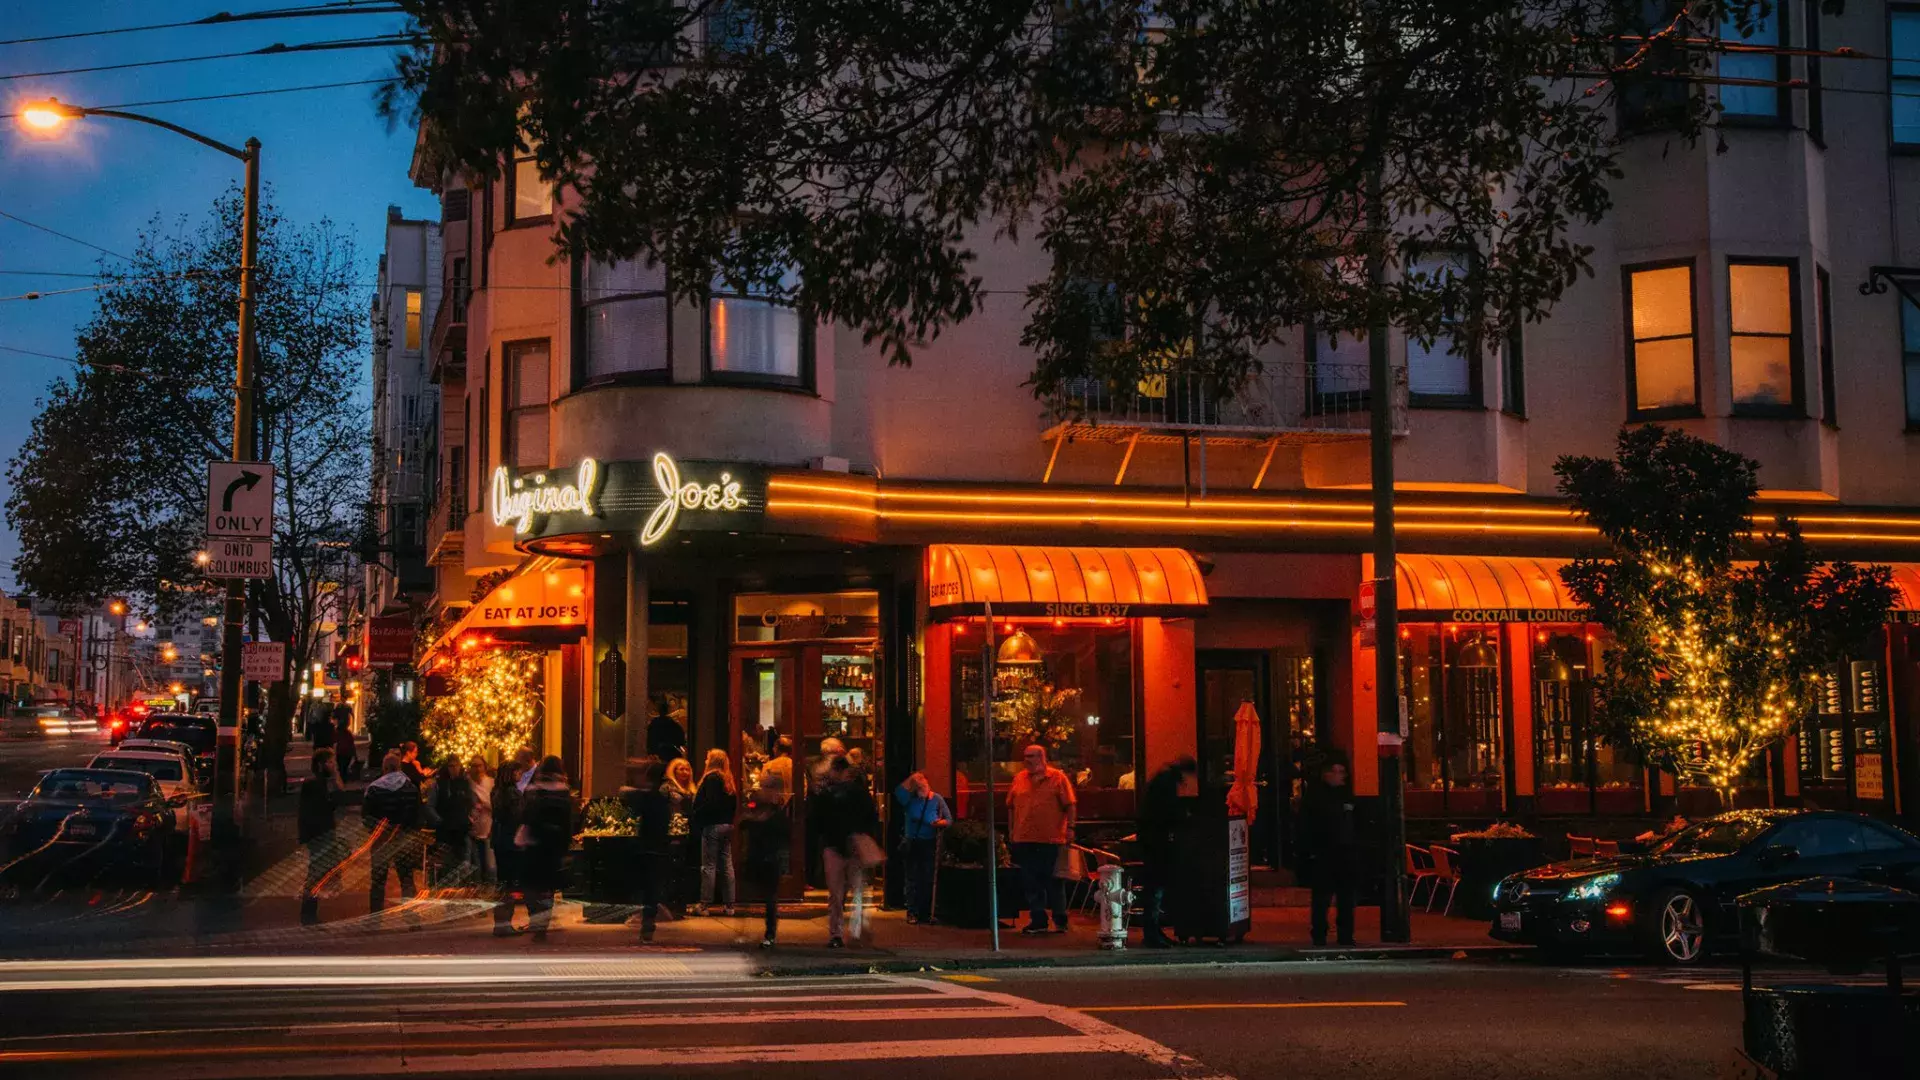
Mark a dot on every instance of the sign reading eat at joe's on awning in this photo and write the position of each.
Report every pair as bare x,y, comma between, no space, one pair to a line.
540,599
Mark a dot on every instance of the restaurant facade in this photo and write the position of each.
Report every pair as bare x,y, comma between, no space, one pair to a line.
728,517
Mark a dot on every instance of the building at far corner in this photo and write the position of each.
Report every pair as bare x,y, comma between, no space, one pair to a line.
723,525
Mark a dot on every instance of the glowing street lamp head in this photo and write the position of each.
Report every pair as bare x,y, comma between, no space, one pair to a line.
47,116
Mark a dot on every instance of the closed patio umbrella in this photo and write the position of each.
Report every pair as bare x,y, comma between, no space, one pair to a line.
1243,797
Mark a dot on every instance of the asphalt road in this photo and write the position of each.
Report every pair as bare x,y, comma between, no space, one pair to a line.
666,1013
23,760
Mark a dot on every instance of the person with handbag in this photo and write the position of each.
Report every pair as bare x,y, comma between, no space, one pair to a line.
925,814
1042,808
848,825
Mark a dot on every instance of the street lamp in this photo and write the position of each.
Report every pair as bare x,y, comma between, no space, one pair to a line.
46,118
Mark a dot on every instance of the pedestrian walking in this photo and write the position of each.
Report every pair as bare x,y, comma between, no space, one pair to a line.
545,833
1330,838
925,813
344,755
450,811
767,825
504,808
319,797
320,727
1163,811
480,818
652,823
715,805
391,809
848,826
1042,808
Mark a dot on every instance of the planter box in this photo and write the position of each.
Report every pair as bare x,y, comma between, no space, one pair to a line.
611,863
961,899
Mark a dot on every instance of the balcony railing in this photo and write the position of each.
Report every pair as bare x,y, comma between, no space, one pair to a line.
446,526
1292,402
449,337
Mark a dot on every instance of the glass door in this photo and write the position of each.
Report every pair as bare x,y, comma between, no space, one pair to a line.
1229,679
764,724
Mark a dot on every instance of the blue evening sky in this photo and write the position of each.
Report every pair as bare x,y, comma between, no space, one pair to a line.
325,154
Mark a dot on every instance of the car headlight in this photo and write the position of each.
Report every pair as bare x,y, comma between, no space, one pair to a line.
1594,888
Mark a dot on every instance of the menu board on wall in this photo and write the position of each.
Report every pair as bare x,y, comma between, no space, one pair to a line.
1239,878
1868,780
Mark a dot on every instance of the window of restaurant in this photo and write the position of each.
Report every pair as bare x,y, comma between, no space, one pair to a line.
1576,771
1066,685
1455,751
1843,743
669,680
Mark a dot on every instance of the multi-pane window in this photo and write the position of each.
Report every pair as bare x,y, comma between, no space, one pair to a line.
1441,370
625,314
1752,60
1513,372
1338,366
729,30
1904,74
1910,358
751,333
529,196
526,401
1660,363
1763,335
412,336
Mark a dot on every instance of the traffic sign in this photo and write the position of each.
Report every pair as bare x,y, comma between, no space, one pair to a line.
264,662
239,500
240,558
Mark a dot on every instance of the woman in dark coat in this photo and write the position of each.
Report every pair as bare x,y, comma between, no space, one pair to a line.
506,858
546,812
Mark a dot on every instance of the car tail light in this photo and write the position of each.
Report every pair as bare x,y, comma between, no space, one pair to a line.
1619,910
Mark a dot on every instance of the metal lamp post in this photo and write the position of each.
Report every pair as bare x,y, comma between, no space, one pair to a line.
49,115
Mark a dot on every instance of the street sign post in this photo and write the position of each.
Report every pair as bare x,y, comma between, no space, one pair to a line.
264,662
239,499
239,558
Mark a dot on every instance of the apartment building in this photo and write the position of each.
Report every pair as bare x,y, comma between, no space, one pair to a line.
405,404
726,517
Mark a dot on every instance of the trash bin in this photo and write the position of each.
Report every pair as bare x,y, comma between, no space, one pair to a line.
1210,895
1812,1031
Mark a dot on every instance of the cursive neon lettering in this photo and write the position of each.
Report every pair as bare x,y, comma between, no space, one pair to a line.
520,503
676,496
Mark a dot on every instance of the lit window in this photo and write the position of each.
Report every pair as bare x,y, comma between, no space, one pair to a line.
755,331
1762,342
1661,352
529,195
1742,97
413,319
1442,369
625,314
1905,71
527,392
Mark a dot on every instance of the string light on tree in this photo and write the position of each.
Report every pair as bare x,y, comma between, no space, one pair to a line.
495,703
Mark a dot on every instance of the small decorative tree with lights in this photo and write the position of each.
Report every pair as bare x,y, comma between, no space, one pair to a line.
494,705
1719,636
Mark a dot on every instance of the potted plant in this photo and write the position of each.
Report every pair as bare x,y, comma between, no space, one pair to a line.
962,888
609,845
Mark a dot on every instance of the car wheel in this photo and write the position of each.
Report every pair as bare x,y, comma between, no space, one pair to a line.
1674,928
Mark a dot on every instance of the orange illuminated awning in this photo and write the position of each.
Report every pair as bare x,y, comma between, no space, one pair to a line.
1906,586
543,603
1492,588
1063,582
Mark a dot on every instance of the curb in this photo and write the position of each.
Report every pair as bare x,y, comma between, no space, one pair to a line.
905,965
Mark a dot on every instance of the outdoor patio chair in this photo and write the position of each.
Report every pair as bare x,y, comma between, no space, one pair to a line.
1419,872
1580,845
1606,847
1446,871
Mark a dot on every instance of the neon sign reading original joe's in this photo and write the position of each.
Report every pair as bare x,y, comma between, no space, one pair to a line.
517,502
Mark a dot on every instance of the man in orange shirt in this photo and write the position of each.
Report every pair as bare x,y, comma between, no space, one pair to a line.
1043,808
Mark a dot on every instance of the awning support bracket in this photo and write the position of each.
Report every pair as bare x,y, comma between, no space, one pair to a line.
1260,477
1126,459
1047,477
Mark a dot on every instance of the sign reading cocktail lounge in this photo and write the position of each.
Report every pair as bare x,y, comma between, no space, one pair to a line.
1494,615
654,497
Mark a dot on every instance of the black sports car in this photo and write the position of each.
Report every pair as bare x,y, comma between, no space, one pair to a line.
88,820
1675,902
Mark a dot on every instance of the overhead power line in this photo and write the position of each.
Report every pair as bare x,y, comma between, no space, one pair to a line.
338,7
63,236
234,94
387,41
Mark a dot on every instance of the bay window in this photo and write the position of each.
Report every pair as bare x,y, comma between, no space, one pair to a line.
1742,69
755,332
1661,378
1910,360
1442,372
625,320
1903,83
529,196
527,388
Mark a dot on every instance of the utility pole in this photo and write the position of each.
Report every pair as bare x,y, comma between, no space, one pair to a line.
987,657
1394,923
226,805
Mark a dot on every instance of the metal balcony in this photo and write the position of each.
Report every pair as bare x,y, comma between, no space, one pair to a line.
446,528
1284,403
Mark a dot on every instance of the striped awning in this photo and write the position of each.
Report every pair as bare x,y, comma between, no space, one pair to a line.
1063,582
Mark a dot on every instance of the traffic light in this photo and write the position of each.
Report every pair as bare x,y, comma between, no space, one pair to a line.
333,669
356,663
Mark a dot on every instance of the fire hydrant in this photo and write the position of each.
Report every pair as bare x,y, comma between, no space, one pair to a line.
1115,899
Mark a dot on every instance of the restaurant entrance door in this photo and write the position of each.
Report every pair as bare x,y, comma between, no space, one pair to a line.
1227,678
804,668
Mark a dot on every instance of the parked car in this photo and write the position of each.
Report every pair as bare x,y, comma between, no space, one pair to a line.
94,818
1676,902
198,732
172,769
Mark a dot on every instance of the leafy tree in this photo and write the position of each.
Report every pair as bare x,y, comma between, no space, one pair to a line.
1711,660
1220,171
109,488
